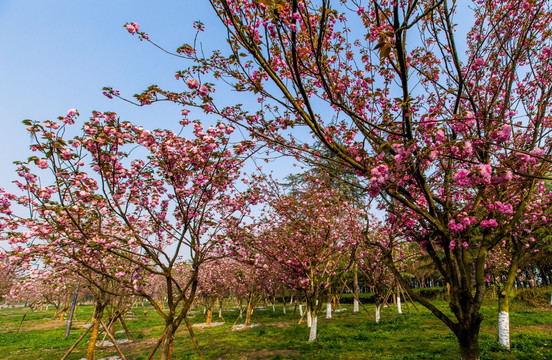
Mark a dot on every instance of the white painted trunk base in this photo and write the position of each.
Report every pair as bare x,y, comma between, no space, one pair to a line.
284,308
301,310
328,310
309,318
312,334
399,307
356,307
504,329
378,313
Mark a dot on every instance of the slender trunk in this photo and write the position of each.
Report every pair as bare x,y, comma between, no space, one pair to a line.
98,314
300,310
167,349
240,306
356,308
504,302
209,316
503,324
220,308
328,310
314,325
248,313
113,327
378,312
309,318
399,307
123,324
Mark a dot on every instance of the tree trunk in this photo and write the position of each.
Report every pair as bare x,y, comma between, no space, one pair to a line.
240,306
309,317
399,307
248,314
98,314
314,322
503,324
209,316
469,341
356,307
504,302
328,310
378,312
167,349
504,313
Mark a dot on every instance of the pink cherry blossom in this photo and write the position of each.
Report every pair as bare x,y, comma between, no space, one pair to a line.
192,83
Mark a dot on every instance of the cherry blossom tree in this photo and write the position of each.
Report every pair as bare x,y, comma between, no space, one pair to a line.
442,122
521,244
440,133
309,232
215,283
41,287
7,278
144,198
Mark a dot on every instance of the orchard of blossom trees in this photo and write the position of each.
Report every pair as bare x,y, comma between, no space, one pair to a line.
426,143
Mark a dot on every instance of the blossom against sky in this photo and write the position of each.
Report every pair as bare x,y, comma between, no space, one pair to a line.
58,55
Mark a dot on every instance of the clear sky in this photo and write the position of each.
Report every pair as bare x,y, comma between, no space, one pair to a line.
56,55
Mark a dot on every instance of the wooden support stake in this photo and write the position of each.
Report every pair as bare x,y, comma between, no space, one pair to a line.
157,345
77,342
113,340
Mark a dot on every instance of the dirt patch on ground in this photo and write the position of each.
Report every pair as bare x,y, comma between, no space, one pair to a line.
540,327
47,325
204,325
144,345
268,354
280,324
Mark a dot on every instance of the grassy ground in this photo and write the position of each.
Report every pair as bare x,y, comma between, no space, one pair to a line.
418,335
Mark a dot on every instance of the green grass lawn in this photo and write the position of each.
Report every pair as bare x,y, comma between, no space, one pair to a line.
418,335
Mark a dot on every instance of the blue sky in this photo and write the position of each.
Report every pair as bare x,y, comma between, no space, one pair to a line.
57,55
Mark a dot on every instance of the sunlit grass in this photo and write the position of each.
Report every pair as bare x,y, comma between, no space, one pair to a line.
418,335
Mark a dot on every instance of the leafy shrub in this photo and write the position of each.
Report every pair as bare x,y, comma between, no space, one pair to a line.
434,293
364,298
534,296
